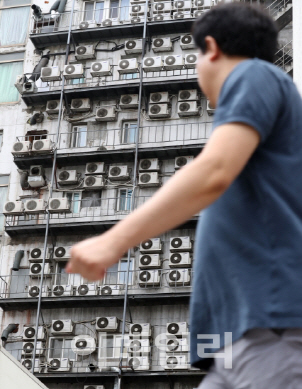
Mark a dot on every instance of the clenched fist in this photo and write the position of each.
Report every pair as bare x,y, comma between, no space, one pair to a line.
92,257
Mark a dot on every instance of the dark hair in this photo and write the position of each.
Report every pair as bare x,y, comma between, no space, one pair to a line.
239,29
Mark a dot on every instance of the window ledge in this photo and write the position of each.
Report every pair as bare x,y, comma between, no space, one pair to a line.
12,49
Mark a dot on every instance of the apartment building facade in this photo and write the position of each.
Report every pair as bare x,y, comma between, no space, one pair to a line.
99,107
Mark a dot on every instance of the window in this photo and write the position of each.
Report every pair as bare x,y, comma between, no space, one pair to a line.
76,81
94,10
75,201
79,136
124,200
61,348
114,8
11,65
110,345
129,76
3,197
129,132
91,199
1,138
14,22
116,275
61,276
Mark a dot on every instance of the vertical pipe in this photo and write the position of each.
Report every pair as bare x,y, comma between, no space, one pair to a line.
133,190
51,187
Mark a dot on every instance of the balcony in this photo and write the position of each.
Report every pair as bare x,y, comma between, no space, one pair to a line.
20,291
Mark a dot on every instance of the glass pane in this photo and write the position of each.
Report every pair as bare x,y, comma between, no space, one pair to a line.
8,75
113,12
91,199
11,56
13,26
109,346
56,346
79,136
124,12
76,203
99,12
129,76
67,351
129,133
76,81
123,272
4,179
111,275
62,276
88,15
11,3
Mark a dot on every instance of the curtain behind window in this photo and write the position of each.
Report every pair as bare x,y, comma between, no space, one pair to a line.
13,26
8,75
125,6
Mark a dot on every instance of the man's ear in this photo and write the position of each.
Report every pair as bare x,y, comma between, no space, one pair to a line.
213,51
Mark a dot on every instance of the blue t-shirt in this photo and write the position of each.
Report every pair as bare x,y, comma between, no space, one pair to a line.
248,250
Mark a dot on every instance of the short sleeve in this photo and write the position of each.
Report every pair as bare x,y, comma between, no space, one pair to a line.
252,95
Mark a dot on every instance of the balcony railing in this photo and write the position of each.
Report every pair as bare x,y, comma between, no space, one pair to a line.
278,7
55,285
284,57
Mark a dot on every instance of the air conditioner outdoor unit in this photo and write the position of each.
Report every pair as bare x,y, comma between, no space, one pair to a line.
203,4
179,345
106,114
139,347
52,106
134,46
28,348
95,168
151,246
128,66
128,101
110,290
191,60
159,97
118,173
162,44
87,24
29,333
140,330
210,109
36,170
36,255
61,253
107,324
52,73
35,270
34,206
92,182
173,62
159,111
68,177
36,176
187,42
13,208
162,7
148,180
73,71
177,328
65,327
111,22
149,261
80,105
87,290
150,164
100,68
187,108
181,5
177,362
20,80
138,9
182,161
162,17
83,345
35,290
42,146
21,147
58,364
28,87
182,15
136,19
153,64
28,362
139,363
197,13
179,277
149,278
59,205
62,290
85,52
180,260
188,95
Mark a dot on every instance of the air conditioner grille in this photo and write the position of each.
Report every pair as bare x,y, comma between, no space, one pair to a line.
174,275
55,204
102,112
63,176
69,69
124,64
30,332
34,291
173,328
155,109
198,13
9,207
58,290
130,44
156,97
184,95
31,205
179,4
92,167
46,72
90,181
158,42
145,276
146,260
81,344
35,171
187,39
184,107
55,364
172,344
36,268
96,67
172,362
58,325
175,258
147,244
159,6
134,363
27,363
28,347
84,25
83,290
176,243
35,253
115,171
39,144
170,60
181,161
149,62
145,164
191,58
77,103
60,252
135,346
102,322
107,22
136,329
136,8
81,50
52,104
126,99
106,290
18,146
145,178
198,3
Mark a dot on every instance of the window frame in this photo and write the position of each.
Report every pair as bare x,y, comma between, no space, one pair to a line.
124,128
8,62
77,135
116,345
94,10
127,198
106,280
64,338
71,194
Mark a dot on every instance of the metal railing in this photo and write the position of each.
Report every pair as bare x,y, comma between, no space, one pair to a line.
60,284
284,57
277,7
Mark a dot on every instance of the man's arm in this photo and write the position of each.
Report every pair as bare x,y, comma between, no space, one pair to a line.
192,189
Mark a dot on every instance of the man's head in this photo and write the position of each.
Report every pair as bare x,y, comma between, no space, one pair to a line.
232,32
